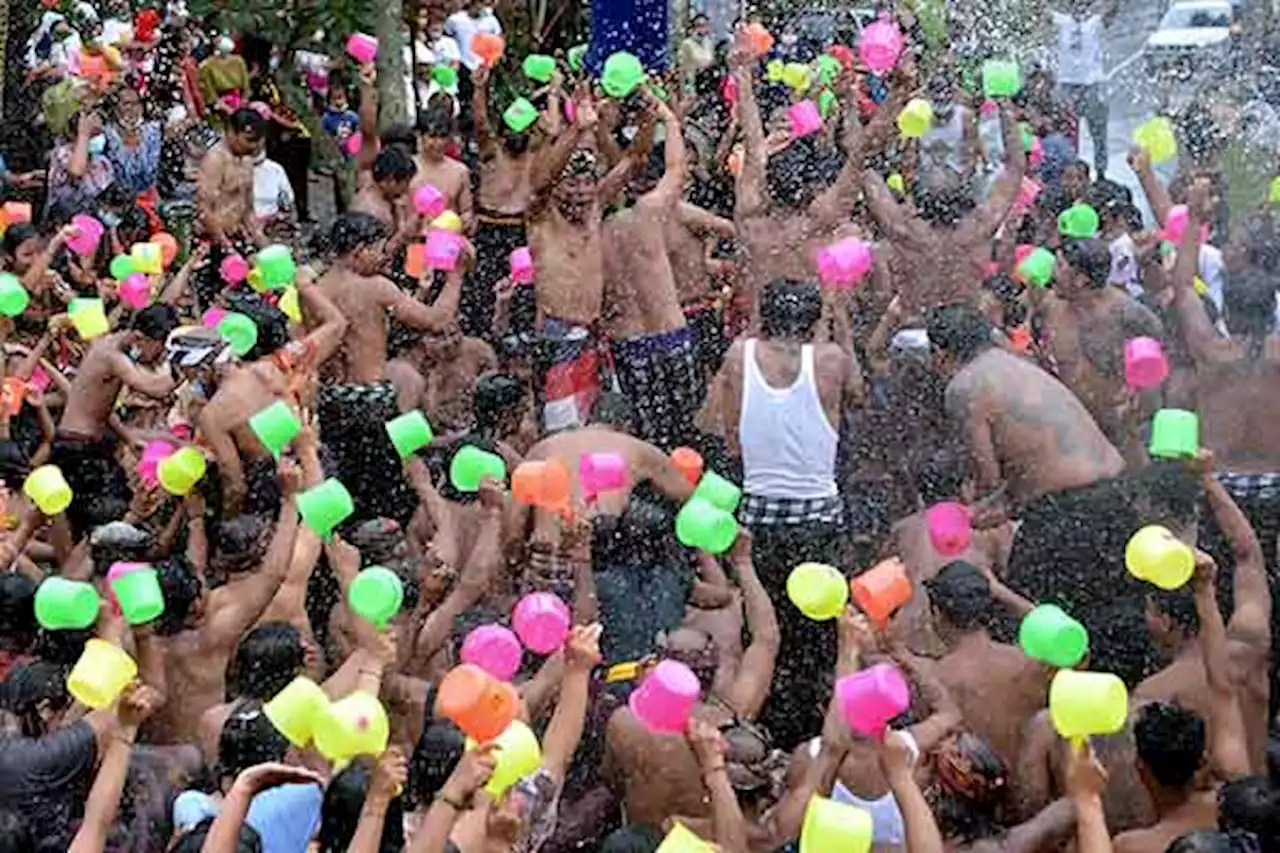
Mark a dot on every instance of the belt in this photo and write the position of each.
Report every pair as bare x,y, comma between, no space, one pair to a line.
506,220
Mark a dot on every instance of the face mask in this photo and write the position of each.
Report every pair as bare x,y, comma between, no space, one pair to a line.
274,63
225,45
790,38
97,144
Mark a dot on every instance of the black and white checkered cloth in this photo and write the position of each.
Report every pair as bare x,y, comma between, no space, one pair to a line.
758,510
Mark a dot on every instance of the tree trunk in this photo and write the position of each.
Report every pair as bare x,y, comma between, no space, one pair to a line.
393,97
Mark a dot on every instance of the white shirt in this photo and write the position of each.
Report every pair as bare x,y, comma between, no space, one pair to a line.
272,191
1079,49
462,27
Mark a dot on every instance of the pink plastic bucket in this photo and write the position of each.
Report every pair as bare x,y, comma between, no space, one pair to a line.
1175,227
881,46
429,201
1144,363
541,621
151,456
843,264
362,48
135,290
211,318
522,266
233,269
88,233
601,472
494,649
665,699
950,531
871,697
442,249
804,118
1027,195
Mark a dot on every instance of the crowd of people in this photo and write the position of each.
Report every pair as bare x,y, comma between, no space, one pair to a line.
597,303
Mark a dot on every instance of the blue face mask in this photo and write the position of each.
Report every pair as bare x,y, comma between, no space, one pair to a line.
97,144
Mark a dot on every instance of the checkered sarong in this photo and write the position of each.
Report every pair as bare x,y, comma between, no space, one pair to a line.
758,510
660,376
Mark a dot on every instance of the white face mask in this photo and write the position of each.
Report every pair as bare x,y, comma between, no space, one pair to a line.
225,45
97,144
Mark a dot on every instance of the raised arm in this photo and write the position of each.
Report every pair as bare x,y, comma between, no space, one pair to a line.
435,317
549,162
368,118
897,762
1157,195
1086,780
326,337
751,177
704,221
835,203
564,732
177,286
455,797
1004,191
670,189
389,776
730,827
1206,345
480,112
289,602
217,438
750,688
884,208
1250,623
150,382
1228,743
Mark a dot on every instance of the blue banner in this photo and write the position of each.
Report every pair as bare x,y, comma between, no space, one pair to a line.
636,26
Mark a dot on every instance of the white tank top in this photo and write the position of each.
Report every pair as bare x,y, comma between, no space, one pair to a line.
1079,49
788,444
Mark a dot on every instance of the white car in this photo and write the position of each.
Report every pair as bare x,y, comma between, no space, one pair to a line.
1191,35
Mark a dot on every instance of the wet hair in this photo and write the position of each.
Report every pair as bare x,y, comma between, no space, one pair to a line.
941,474
1249,300
340,814
181,590
790,308
945,206
17,612
961,593
266,659
1251,804
1090,257
352,231
496,396
273,325
636,838
15,832
15,464
1012,311
1213,841
32,685
16,235
436,121
192,841
240,543
792,174
248,738
615,410
1170,741
972,781
156,321
435,756
1169,493
393,163
399,135
959,329
248,121
1179,606
639,537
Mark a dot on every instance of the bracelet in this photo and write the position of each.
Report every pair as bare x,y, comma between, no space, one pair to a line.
719,768
377,672
442,797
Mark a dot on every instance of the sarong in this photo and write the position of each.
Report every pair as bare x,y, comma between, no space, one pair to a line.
351,422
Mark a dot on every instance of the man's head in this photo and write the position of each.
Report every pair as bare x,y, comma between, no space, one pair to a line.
338,99
574,193
958,333
961,597
393,171
343,802
945,205
435,756
972,783
246,131
151,328
790,309
183,596
1251,804
266,660
22,246
944,474
35,699
1083,266
700,26
400,135
273,325
239,544
360,242
499,402
794,175
1075,180
247,738
436,130
1170,743
17,613
1249,300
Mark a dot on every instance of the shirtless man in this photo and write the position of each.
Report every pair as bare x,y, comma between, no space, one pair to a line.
690,236
1039,455
201,629
653,349
386,197
506,167
436,131
948,227
83,447
224,198
1087,322
361,393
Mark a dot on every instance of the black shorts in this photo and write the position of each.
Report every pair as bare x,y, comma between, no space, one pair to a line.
351,421
90,468
660,376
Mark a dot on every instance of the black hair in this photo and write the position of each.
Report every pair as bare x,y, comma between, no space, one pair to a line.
961,593
1210,841
1091,257
393,163
399,135
239,543
1012,310
181,588
340,814
792,174
16,235
156,321
945,206
496,397
437,120
1170,741
790,308
1251,804
635,838
1249,301
248,738
941,474
352,231
17,612
1169,493
15,832
435,756
266,659
192,841
1179,605
32,685
959,329
273,325
248,121
615,410
699,17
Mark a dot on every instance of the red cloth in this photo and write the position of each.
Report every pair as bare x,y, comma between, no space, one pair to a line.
188,71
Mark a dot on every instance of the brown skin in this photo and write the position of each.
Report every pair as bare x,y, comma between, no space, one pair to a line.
450,367
450,177
224,190
689,238
105,370
504,178
1026,430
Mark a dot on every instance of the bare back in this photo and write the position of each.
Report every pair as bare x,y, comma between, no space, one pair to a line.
641,288
94,390
363,354
1239,406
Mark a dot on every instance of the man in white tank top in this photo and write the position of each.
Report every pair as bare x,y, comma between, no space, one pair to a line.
1078,33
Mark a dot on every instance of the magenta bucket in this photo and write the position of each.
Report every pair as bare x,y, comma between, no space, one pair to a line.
429,201
804,118
541,621
950,528
442,250
152,454
842,264
135,290
89,232
522,266
1144,363
1175,226
494,649
871,697
880,46
665,699
601,472
362,48
233,269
